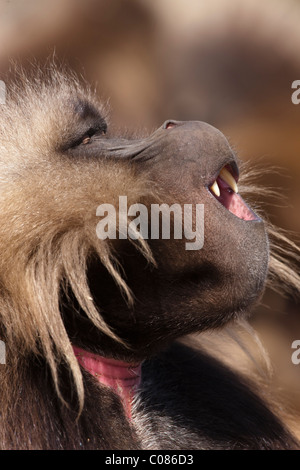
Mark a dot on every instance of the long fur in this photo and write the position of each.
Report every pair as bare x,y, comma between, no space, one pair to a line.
46,250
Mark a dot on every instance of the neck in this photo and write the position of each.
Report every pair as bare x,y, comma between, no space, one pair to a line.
123,378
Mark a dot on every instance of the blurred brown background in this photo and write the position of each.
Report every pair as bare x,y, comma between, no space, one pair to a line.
227,62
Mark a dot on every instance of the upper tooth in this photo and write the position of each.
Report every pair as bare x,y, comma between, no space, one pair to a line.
215,188
229,179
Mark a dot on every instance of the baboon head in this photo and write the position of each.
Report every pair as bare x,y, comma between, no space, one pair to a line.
185,290
60,282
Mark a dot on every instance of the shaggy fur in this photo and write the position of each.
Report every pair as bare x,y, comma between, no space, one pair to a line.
130,300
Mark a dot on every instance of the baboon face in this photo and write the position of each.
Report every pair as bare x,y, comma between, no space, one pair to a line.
69,163
188,290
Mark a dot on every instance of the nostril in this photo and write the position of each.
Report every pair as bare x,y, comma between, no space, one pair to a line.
169,124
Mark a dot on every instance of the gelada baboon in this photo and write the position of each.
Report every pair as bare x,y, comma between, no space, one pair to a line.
92,326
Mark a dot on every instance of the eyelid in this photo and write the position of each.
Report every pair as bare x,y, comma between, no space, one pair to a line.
92,131
89,134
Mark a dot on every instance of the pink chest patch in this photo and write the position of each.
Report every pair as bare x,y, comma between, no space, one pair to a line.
120,376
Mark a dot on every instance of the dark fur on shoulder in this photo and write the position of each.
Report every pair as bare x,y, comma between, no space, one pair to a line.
125,299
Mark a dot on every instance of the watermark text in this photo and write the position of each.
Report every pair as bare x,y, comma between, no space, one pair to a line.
164,222
2,352
2,92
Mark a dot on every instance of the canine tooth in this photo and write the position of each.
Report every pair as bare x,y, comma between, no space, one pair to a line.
229,179
215,188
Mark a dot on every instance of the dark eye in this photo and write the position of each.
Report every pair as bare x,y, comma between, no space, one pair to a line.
86,138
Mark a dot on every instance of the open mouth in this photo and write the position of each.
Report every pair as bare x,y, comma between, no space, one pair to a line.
225,190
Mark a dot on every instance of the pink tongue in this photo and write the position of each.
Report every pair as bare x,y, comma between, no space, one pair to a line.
238,207
234,202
